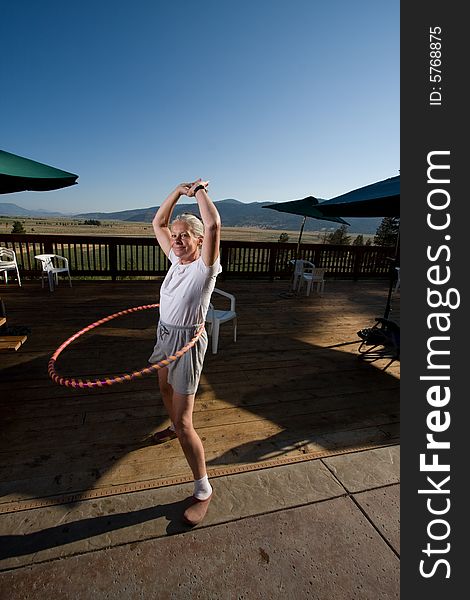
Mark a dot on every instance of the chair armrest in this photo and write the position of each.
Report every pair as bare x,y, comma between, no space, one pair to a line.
210,313
62,259
231,297
43,261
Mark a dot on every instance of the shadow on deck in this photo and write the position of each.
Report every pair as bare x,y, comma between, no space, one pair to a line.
292,388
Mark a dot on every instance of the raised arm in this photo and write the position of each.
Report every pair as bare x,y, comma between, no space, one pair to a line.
161,220
212,225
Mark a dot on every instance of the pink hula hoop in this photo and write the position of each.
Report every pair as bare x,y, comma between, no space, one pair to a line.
91,383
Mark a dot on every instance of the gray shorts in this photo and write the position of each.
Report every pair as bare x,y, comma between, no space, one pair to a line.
185,372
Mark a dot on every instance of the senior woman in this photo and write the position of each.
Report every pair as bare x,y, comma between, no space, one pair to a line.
192,247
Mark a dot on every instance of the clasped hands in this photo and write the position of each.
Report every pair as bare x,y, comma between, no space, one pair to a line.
187,189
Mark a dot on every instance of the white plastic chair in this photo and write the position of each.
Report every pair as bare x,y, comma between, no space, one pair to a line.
8,263
315,275
298,272
306,271
215,317
52,266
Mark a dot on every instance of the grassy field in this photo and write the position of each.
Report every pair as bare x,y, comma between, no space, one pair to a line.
118,228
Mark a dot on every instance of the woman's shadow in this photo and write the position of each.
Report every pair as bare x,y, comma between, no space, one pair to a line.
67,533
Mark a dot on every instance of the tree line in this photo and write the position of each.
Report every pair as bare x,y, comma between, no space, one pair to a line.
18,226
385,235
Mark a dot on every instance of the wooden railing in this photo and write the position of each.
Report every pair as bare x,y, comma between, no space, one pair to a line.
103,256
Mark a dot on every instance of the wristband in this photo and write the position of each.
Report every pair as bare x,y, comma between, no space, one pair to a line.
199,187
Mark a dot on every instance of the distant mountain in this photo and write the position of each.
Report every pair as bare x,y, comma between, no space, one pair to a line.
7,209
240,214
232,212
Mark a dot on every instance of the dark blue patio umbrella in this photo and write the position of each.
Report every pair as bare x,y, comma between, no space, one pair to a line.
380,199
19,174
306,207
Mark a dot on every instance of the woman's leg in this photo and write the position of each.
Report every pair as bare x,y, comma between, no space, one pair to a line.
194,452
182,416
166,391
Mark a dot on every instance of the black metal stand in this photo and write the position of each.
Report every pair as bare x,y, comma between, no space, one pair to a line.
393,264
383,338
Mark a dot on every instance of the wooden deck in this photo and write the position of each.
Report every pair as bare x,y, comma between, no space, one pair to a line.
292,388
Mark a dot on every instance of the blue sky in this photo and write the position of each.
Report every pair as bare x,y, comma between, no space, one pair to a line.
270,100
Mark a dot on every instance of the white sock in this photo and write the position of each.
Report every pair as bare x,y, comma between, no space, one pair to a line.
202,488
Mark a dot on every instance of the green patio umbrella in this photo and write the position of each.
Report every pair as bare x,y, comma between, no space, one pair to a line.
19,174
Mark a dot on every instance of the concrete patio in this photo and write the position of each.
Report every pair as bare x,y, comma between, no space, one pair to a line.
324,529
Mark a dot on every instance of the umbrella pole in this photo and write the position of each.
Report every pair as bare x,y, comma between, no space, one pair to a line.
388,307
297,252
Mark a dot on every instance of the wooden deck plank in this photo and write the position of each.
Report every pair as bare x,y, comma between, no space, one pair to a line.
293,386
12,342
74,429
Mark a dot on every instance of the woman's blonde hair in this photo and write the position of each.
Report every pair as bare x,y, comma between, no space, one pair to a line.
195,225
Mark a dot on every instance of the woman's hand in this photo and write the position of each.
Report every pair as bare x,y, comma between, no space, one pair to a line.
195,184
183,188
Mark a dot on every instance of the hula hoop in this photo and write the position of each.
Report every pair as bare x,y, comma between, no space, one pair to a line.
124,377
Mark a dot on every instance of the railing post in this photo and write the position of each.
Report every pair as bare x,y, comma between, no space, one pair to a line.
224,252
358,258
273,255
113,260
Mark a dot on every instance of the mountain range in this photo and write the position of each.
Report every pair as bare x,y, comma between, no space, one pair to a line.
232,212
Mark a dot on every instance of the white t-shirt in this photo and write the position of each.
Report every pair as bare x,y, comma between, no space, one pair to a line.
186,291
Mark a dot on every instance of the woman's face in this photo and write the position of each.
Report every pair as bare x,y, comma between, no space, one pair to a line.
183,242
